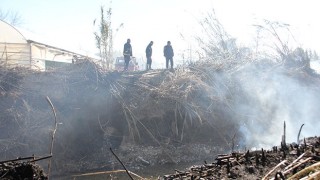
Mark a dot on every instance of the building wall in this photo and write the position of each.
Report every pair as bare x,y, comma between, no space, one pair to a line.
46,57
34,56
15,54
16,50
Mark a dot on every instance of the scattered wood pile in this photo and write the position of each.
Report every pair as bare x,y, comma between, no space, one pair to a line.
287,162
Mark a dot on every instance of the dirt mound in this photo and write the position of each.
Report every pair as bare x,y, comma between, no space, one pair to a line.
218,106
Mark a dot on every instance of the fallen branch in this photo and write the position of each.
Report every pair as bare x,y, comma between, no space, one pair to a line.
121,163
277,166
291,164
42,158
18,159
106,172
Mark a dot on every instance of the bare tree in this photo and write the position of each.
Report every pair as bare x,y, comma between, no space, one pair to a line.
217,43
11,17
104,38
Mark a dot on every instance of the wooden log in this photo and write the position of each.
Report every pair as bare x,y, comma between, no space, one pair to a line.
291,164
272,170
224,157
305,171
313,176
295,166
107,172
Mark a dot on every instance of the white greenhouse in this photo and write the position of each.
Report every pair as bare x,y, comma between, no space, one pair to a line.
17,50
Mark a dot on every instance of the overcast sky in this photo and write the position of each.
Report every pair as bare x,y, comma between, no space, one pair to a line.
68,24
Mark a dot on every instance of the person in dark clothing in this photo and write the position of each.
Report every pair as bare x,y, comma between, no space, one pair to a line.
149,54
127,53
168,53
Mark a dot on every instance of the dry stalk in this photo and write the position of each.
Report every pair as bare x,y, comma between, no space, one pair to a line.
53,133
157,141
41,158
299,133
176,119
126,109
232,142
132,120
101,126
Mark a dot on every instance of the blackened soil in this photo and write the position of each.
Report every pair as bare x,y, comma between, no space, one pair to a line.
21,170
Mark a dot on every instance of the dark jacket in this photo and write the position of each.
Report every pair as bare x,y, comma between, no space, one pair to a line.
149,50
168,51
127,49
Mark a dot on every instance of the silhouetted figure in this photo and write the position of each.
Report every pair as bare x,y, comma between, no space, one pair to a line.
127,53
168,53
149,54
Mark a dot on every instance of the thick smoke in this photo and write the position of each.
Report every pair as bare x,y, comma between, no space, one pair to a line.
272,96
278,87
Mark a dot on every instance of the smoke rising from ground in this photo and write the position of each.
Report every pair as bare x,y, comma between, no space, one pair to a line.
274,95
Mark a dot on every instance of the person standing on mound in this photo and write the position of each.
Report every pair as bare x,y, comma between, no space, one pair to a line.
127,53
149,54
168,53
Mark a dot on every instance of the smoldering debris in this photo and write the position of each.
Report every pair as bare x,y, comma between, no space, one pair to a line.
292,162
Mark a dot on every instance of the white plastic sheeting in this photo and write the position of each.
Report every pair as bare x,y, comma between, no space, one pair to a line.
16,50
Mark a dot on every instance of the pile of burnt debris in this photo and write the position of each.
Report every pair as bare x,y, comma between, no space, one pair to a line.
293,161
22,168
